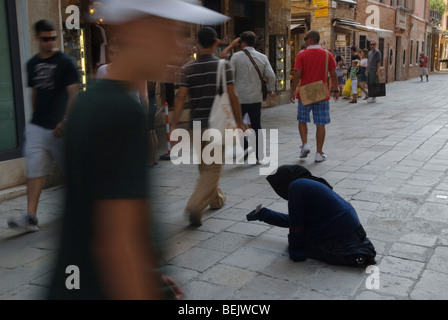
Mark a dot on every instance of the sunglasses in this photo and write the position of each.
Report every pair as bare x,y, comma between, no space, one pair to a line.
373,44
306,38
47,39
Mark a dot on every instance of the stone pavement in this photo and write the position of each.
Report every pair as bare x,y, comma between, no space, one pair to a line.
389,159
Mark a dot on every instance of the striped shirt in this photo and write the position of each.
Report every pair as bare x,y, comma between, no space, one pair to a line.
199,77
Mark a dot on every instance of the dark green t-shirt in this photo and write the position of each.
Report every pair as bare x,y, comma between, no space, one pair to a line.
106,144
50,77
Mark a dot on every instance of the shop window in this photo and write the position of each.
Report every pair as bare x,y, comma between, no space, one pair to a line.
277,57
416,52
363,42
11,96
214,5
411,52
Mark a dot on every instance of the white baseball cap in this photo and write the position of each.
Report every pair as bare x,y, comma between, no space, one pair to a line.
119,11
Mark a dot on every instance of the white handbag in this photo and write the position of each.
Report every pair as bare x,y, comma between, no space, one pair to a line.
221,115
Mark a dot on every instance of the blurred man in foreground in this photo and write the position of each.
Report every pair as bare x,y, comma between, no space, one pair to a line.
107,243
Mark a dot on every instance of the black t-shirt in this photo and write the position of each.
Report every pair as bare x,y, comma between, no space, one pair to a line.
51,77
106,144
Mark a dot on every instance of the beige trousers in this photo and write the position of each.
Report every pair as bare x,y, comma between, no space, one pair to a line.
207,192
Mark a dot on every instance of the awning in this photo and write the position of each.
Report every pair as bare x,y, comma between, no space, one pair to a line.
347,1
356,26
293,26
296,23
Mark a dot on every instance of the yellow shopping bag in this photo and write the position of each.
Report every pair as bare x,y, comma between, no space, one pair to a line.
347,91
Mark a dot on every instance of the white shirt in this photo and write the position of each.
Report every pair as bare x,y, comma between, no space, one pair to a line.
247,81
364,62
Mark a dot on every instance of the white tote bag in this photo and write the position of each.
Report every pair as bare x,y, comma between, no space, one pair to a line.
221,115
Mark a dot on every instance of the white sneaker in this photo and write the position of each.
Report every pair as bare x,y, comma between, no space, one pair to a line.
320,157
304,150
371,100
27,222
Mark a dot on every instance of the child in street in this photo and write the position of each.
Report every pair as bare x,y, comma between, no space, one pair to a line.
354,80
340,64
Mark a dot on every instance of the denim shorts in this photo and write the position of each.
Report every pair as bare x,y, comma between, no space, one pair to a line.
321,112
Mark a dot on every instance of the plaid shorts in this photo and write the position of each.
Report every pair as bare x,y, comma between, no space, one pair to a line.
321,112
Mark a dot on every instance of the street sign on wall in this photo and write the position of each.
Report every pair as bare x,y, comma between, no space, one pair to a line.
320,13
320,3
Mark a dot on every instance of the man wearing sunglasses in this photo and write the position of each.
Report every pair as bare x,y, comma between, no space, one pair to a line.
373,69
54,80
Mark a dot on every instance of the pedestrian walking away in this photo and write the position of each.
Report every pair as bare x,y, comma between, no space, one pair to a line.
423,63
373,70
54,79
310,67
322,225
198,80
108,230
248,85
340,64
354,80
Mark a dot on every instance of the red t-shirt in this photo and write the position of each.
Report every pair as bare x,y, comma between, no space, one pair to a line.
423,61
312,63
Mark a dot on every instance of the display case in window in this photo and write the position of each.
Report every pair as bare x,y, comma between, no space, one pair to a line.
74,46
277,57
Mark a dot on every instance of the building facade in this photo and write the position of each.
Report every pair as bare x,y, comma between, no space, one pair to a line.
402,28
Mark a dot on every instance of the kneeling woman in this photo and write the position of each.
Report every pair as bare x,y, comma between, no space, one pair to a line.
322,225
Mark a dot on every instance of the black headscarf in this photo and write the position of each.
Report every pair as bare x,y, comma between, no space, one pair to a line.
286,174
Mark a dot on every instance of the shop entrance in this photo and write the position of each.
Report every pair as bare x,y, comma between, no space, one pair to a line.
398,60
251,16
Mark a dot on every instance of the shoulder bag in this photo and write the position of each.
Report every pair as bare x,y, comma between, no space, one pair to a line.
264,86
221,115
315,91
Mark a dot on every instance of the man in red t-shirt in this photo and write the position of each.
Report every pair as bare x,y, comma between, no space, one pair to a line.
423,62
310,67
